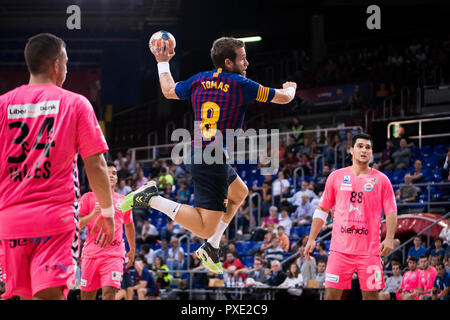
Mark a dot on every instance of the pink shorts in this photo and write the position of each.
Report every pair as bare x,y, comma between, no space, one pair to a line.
341,267
100,272
35,264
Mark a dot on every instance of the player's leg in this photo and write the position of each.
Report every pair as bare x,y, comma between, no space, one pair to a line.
88,295
338,274
53,265
130,293
370,274
109,293
333,293
370,295
141,292
54,293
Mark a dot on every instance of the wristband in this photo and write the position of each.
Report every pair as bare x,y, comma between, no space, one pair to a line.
108,212
322,215
163,67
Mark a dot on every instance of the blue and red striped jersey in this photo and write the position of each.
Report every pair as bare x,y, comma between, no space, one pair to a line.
220,99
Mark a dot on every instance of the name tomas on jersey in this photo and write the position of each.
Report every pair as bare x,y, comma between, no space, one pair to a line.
215,85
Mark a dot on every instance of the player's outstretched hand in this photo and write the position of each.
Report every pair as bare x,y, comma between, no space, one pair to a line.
162,54
309,248
386,246
106,234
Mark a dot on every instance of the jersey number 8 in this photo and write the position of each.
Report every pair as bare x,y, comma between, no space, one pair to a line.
210,113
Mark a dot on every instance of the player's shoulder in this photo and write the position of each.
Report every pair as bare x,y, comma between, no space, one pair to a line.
338,173
381,175
87,196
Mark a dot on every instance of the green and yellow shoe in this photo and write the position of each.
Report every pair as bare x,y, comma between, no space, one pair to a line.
141,197
209,256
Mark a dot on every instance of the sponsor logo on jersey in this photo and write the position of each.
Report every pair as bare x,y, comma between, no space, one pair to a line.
331,277
368,187
354,230
346,179
30,110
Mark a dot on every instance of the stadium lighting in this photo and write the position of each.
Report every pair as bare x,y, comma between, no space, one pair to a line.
250,39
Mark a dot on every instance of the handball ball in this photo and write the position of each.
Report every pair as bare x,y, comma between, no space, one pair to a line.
158,37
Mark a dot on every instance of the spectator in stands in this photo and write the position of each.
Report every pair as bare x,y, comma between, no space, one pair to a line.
130,163
200,279
416,176
175,257
396,256
386,161
441,287
244,219
320,274
306,147
164,279
274,252
155,169
307,268
381,93
418,249
402,135
305,164
267,242
444,163
231,264
292,146
148,254
406,193
392,284
410,281
445,233
167,232
183,193
280,187
296,128
315,150
149,233
284,239
123,172
255,274
438,251
119,157
122,188
322,254
426,278
275,275
294,283
285,221
320,179
304,212
329,150
290,162
272,218
144,283
297,198
402,156
231,247
223,248
162,252
141,180
164,179
266,195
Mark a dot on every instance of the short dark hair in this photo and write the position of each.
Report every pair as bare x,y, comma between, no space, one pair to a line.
224,48
412,258
361,135
41,51
440,263
423,256
438,239
110,164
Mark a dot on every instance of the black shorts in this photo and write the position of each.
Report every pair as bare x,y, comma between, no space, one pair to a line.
211,183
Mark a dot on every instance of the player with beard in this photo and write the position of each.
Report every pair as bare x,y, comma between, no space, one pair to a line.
358,195
219,100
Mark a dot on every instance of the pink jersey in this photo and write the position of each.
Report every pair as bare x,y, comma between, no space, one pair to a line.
427,278
410,280
43,128
358,202
117,247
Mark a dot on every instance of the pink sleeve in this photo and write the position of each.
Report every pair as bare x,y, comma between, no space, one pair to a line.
389,204
90,139
329,194
128,217
85,204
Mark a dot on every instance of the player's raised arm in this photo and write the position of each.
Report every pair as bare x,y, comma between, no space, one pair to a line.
163,55
285,95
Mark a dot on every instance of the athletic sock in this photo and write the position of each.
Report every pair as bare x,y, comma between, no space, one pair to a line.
169,207
215,239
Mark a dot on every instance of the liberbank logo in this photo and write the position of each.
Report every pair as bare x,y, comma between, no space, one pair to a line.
354,230
30,110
